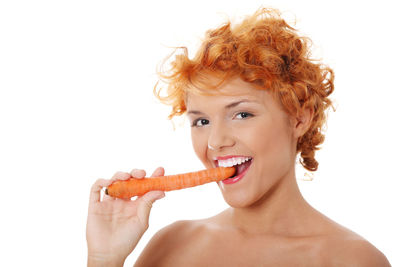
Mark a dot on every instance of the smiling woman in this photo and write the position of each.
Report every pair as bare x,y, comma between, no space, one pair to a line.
255,100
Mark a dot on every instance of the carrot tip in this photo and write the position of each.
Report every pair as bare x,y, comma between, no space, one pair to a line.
106,191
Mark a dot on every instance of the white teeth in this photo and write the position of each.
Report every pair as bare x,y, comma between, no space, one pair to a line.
232,161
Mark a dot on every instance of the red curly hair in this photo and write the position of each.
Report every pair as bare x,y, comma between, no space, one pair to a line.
265,51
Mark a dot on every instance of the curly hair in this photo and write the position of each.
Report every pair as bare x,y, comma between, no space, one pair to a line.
268,53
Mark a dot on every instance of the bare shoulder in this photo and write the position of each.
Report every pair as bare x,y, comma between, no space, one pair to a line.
347,248
163,246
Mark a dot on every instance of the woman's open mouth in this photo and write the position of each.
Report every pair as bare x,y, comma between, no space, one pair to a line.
241,169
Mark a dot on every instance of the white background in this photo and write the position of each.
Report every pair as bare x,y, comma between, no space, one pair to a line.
76,104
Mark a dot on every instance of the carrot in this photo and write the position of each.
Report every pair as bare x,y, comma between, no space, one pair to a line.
137,187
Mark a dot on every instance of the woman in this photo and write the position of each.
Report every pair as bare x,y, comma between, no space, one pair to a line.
254,99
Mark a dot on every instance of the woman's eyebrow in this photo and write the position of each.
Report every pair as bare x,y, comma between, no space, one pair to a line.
229,106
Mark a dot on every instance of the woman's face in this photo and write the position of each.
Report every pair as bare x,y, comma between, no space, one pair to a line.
248,124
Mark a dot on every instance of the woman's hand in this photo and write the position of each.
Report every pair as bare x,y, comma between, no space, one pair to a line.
115,226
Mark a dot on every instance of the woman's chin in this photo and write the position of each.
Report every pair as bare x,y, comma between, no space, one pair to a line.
235,199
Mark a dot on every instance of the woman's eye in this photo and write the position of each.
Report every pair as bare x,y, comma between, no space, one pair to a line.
200,122
244,114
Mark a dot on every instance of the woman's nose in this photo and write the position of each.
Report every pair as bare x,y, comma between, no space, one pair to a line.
219,138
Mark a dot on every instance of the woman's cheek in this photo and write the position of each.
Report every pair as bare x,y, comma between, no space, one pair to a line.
199,145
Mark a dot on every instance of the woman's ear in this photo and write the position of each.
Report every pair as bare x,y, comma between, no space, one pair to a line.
302,122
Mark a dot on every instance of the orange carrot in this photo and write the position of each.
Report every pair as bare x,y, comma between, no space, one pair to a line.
137,187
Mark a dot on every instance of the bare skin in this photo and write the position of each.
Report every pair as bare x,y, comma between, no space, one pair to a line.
269,223
209,242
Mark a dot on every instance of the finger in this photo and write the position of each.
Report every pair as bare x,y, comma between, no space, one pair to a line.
146,203
138,173
158,172
108,198
96,188
121,176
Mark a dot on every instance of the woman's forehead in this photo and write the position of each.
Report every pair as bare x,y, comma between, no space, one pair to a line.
232,89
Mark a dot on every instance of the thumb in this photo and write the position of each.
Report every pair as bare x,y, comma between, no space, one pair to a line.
146,203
